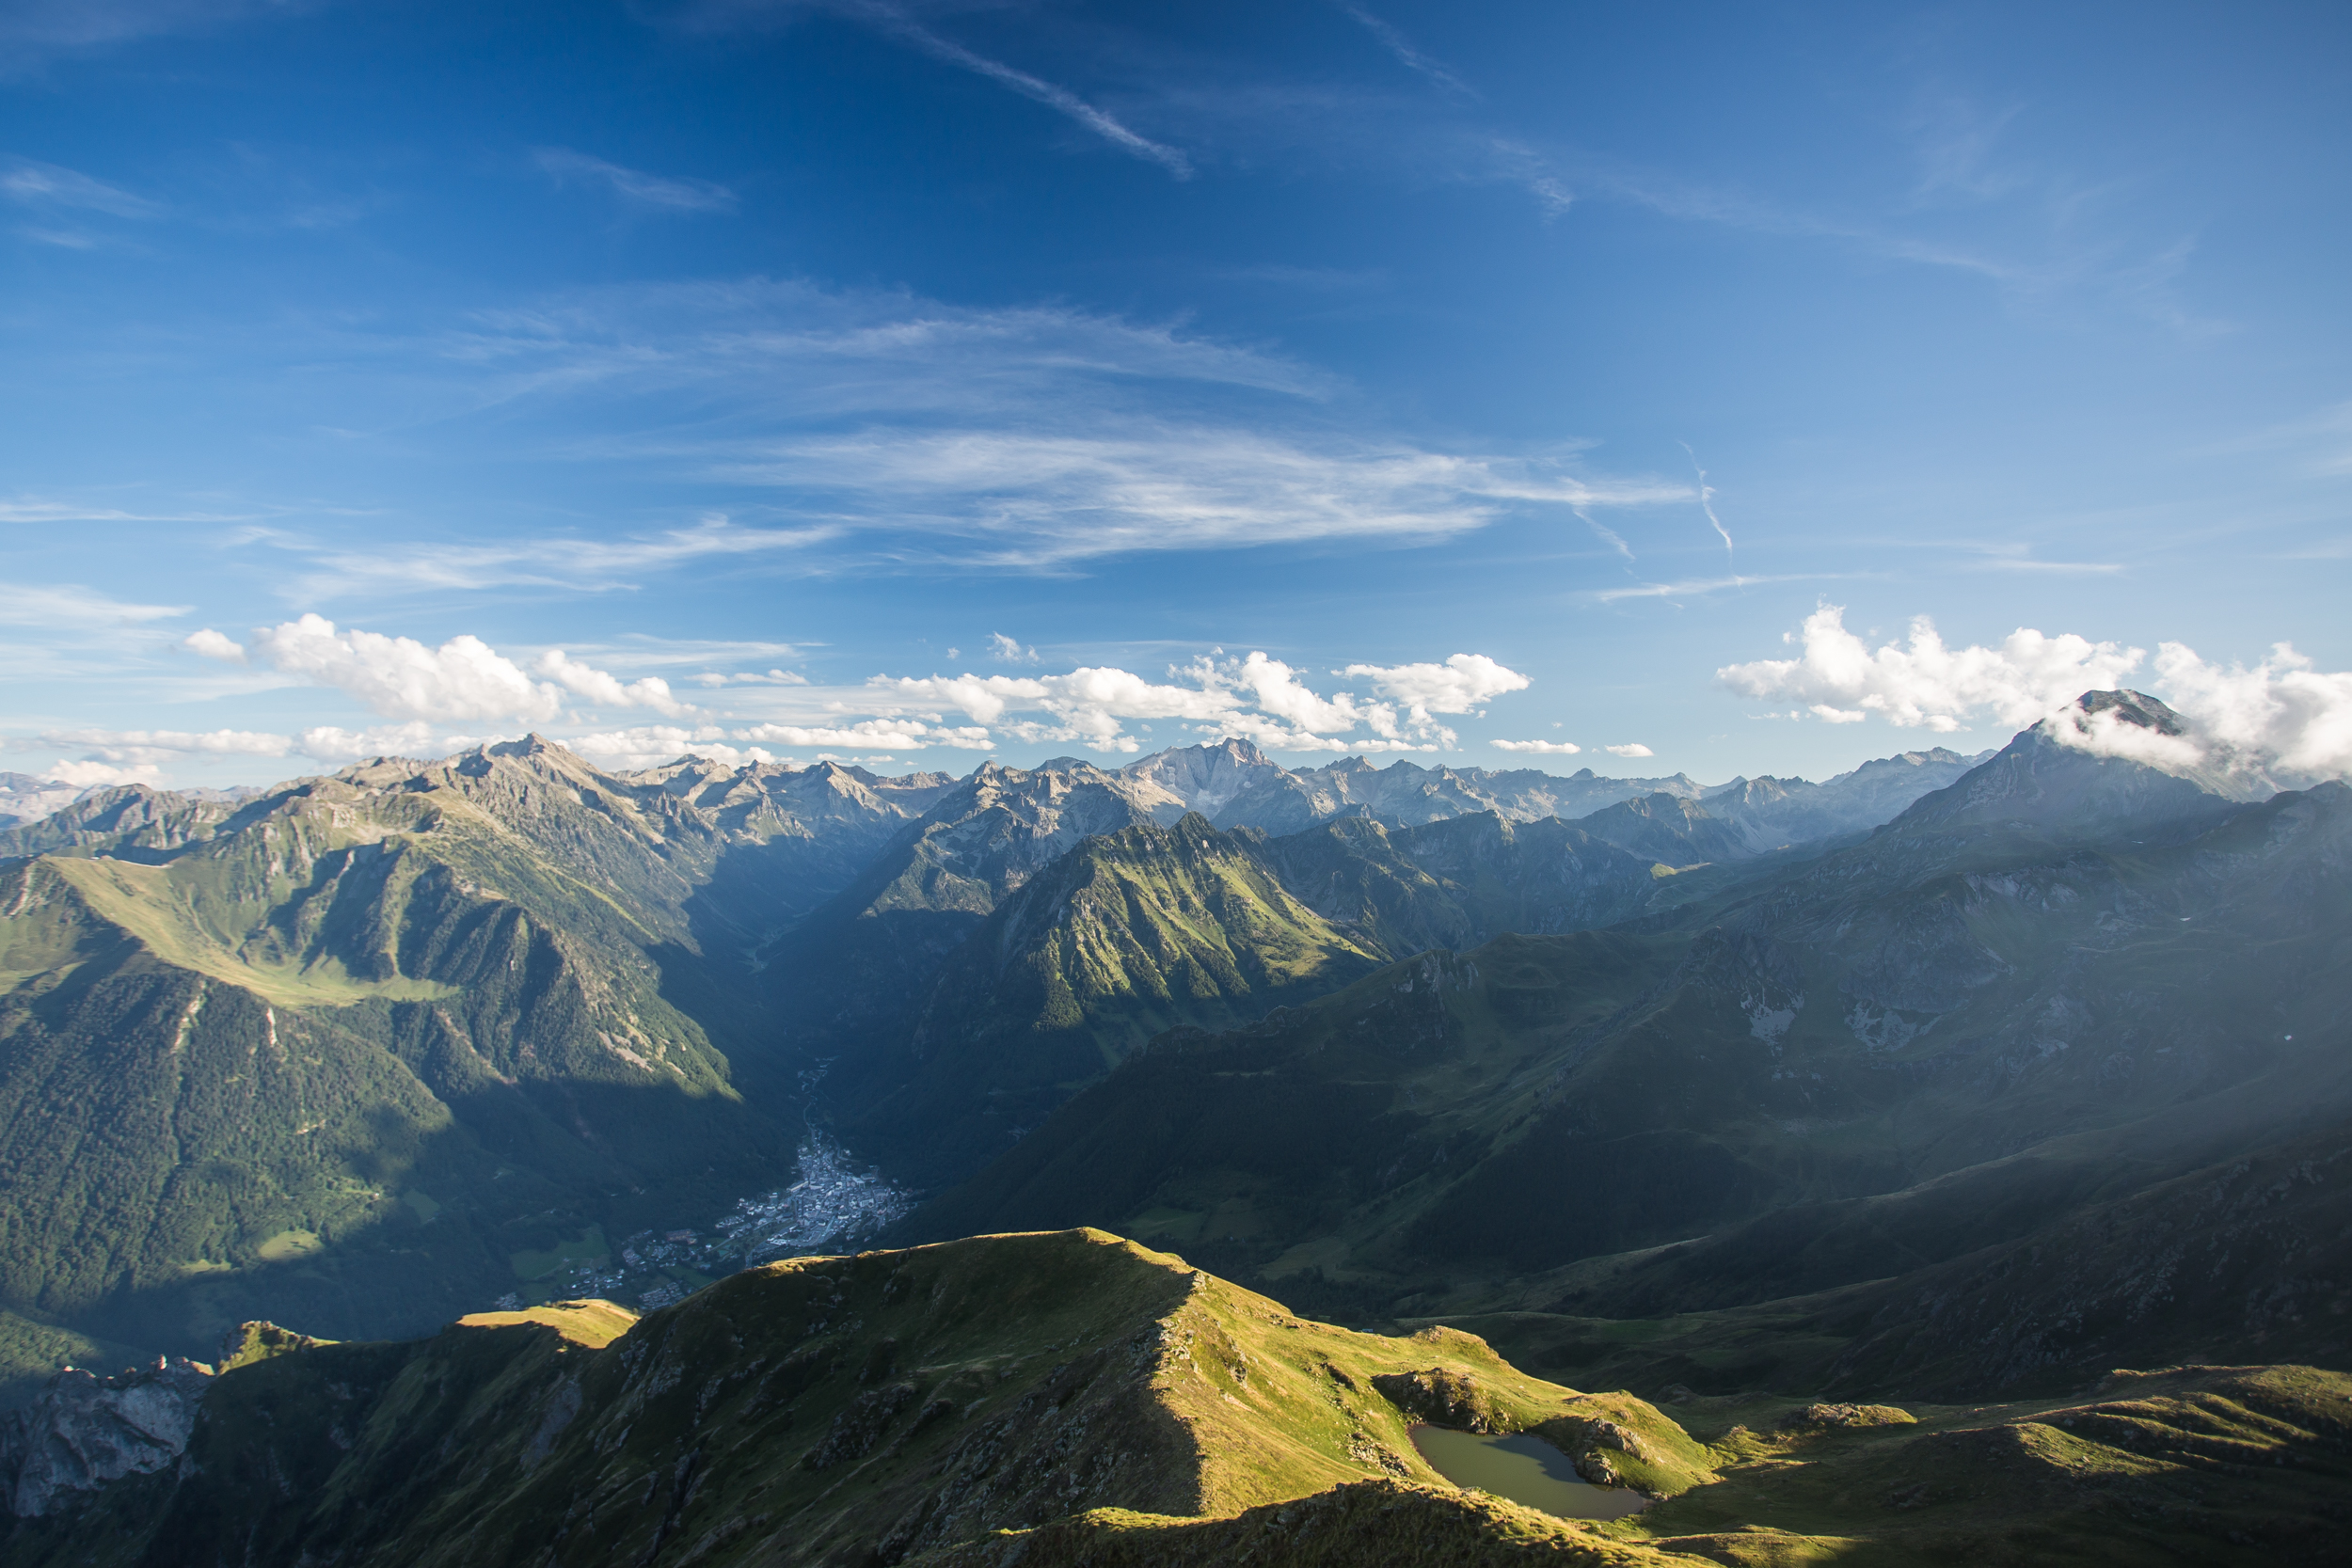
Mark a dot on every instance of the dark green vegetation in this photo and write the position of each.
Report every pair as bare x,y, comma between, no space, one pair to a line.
349,1050
2049,1074
368,1051
1071,1397
2046,1075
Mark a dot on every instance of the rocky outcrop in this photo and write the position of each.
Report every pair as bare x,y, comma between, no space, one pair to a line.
85,1430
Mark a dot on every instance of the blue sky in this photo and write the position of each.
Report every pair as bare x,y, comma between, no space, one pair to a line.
922,382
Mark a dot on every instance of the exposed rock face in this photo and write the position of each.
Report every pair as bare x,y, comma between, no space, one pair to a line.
87,1430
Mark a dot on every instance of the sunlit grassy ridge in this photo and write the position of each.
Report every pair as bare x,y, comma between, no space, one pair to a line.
819,1410
1071,1397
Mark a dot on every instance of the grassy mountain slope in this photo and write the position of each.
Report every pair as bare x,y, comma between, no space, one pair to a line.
1127,935
1456,882
352,1048
827,1410
1071,1397
2060,983
848,983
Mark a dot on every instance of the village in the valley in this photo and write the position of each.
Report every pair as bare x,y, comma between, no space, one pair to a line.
834,1204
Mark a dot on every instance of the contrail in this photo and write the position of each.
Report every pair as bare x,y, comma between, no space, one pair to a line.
1706,500
1030,86
1609,536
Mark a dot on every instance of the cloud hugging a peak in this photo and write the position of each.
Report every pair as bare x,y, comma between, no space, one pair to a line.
2282,716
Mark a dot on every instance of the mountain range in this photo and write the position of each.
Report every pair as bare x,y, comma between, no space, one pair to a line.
1954,1079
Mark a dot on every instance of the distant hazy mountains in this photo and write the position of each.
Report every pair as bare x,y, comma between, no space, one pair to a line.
1951,1079
2046,1074
367,1050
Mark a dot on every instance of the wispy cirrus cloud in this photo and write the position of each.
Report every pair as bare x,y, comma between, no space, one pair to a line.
1690,588
70,607
895,428
664,192
907,23
578,564
37,27
1061,99
38,185
1392,38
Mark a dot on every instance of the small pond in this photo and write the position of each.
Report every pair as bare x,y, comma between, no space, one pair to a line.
1524,1469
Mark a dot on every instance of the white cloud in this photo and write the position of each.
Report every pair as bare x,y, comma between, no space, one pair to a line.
329,744
1254,697
401,678
1143,486
66,607
584,565
648,190
1690,588
1538,747
1004,650
465,678
651,745
213,644
86,775
774,678
876,735
1929,685
155,746
1630,750
1457,685
1060,99
2282,714
607,690
2281,717
46,185
1086,704
1396,43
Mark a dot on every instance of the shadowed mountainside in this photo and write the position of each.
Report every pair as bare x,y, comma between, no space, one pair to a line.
2061,983
1071,1397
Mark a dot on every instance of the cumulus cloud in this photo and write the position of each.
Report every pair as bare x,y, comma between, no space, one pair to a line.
1004,650
1632,749
87,775
465,678
1255,697
401,678
651,745
1457,685
213,644
2283,718
607,690
872,734
2282,714
1538,747
158,746
1924,682
744,677
1088,704
329,744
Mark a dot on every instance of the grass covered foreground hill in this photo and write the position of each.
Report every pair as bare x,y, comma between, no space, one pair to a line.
1863,1115
1071,1397
368,1050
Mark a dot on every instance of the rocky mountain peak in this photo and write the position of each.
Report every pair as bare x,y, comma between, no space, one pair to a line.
2133,708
